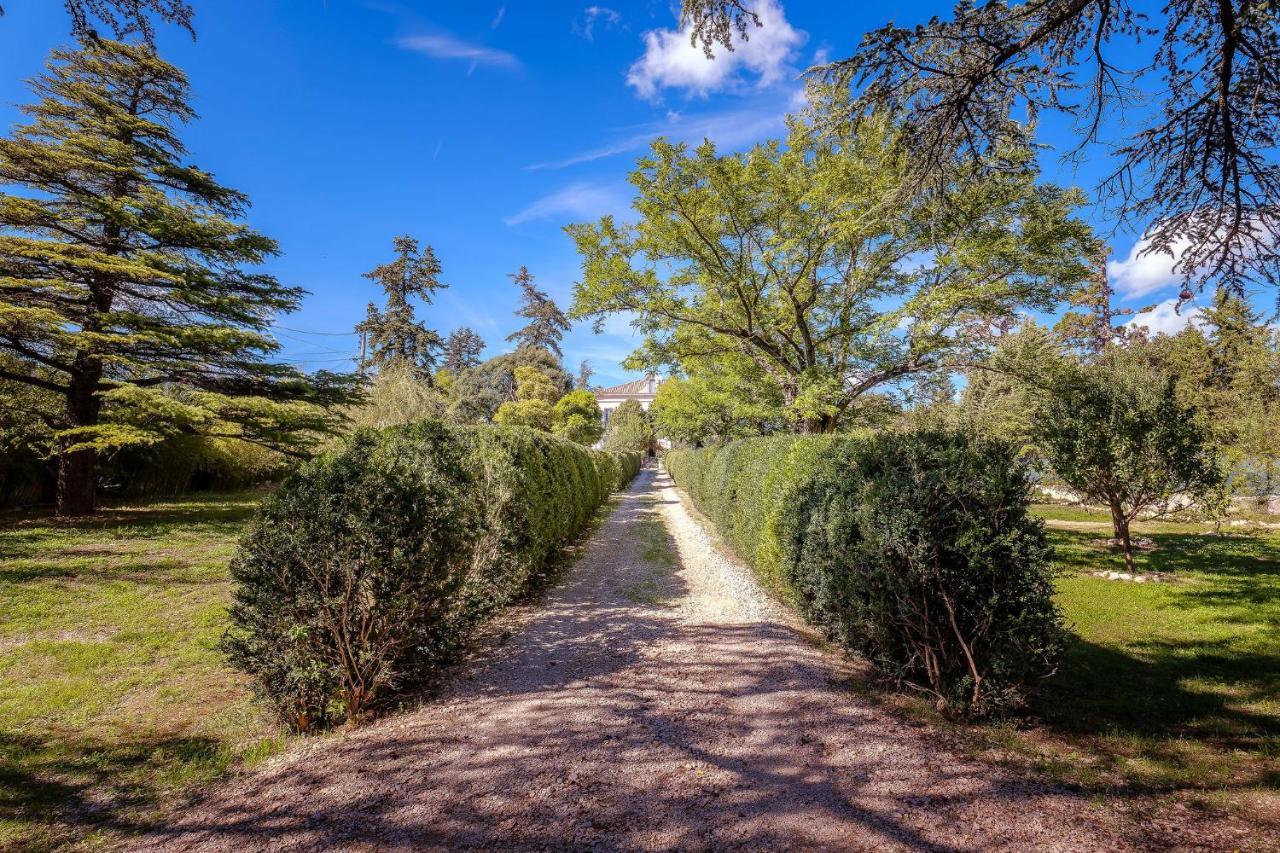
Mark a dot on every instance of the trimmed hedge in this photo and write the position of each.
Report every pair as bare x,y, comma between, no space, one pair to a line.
371,565
916,550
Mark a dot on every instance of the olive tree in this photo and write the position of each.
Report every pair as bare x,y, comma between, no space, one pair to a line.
1118,435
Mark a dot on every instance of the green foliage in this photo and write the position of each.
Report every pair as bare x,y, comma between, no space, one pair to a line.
536,391
185,463
478,392
352,578
398,395
629,428
1000,399
1118,434
129,293
576,416
394,336
1228,369
714,406
534,414
914,549
790,255
372,565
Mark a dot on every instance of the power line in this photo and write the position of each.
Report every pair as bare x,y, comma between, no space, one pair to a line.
309,332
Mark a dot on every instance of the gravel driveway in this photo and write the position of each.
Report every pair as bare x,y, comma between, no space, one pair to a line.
655,699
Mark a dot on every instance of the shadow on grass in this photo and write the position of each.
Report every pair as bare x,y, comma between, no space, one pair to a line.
52,547
1175,683
1102,690
203,510
61,788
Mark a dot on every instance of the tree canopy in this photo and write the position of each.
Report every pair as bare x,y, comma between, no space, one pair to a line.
802,258
126,281
576,416
629,428
1119,435
1201,166
461,350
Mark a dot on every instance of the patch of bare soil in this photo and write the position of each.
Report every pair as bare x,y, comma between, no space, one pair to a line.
655,700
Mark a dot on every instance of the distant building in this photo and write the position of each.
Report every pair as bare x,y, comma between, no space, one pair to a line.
641,390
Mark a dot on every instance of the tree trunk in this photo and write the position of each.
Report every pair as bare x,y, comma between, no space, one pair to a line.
76,492
1120,524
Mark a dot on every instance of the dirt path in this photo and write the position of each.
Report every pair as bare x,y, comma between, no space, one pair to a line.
654,700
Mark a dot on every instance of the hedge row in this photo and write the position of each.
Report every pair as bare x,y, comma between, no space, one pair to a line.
916,550
371,565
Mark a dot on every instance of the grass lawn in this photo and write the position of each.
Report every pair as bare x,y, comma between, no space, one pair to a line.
1166,686
112,691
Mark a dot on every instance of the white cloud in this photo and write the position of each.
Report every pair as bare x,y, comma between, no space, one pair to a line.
593,15
446,46
497,19
577,201
1163,319
671,61
1144,271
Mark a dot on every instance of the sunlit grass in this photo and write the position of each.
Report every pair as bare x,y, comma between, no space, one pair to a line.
1166,685
112,690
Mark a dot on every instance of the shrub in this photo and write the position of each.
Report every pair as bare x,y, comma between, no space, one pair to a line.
576,416
916,550
630,462
371,565
352,576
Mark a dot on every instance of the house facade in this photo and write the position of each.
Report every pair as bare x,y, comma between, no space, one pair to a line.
643,391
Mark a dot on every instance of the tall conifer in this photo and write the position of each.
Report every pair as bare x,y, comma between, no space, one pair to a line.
126,279
395,337
547,323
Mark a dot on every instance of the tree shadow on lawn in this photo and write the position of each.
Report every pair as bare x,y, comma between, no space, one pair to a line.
37,545
1143,706
61,788
138,519
1173,685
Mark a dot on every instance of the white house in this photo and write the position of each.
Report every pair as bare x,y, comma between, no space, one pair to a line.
641,390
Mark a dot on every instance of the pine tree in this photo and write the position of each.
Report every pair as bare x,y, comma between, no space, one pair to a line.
395,338
1095,325
584,375
547,323
123,273
462,350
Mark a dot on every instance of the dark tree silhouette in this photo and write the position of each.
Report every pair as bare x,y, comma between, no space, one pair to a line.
1201,166
547,323
123,18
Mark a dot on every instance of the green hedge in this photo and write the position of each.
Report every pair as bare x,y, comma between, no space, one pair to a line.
914,549
371,565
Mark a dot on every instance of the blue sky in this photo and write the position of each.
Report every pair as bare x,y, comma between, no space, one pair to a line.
480,127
